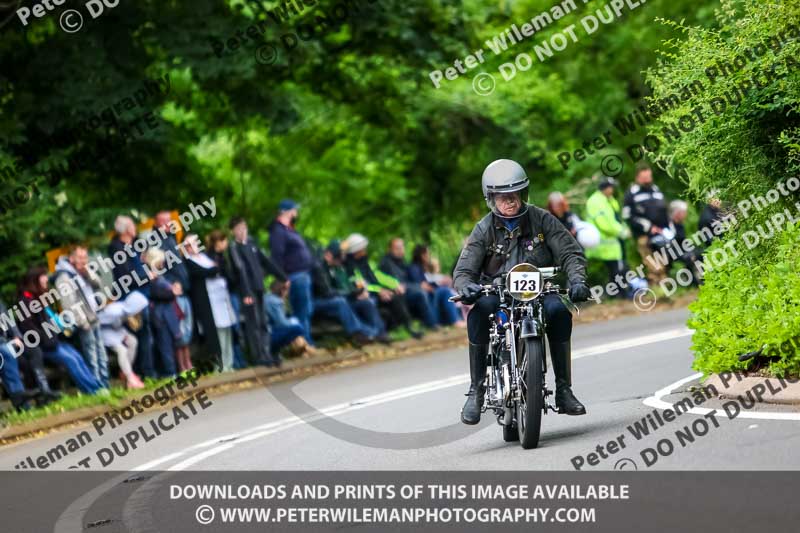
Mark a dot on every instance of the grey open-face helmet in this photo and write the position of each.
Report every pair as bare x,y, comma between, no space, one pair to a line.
505,176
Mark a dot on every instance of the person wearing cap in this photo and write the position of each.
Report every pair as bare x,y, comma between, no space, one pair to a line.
249,265
291,253
384,289
602,210
516,232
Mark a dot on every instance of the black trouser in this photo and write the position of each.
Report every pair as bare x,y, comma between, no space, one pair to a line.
557,316
689,259
617,267
396,312
256,330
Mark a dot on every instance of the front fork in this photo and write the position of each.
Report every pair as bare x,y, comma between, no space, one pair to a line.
533,329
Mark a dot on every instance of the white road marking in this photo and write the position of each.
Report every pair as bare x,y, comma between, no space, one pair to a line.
656,401
377,399
151,464
632,343
183,465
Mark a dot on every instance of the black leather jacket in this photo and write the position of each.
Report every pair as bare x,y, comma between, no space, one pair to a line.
539,239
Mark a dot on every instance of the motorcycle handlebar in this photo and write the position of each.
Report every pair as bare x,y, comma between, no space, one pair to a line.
489,288
547,272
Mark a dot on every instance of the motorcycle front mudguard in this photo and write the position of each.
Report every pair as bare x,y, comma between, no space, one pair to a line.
531,328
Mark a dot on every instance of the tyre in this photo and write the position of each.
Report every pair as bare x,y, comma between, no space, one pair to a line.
531,405
510,433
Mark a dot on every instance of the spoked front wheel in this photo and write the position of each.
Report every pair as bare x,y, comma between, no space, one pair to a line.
531,404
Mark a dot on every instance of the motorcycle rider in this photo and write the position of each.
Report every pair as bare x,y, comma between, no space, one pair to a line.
515,232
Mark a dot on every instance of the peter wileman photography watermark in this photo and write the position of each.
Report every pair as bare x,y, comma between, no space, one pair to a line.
765,69
67,318
70,20
144,433
652,424
645,299
322,21
484,83
122,126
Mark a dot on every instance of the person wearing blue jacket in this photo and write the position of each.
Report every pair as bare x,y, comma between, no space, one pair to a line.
291,253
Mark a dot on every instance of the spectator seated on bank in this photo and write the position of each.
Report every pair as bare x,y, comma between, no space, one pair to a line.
30,361
332,285
394,264
447,312
333,303
118,339
385,290
286,331
56,351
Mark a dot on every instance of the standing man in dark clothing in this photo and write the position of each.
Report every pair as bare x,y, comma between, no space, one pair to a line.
291,253
394,264
178,276
249,263
645,210
125,235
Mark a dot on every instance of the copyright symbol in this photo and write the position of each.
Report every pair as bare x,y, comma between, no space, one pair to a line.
483,84
68,23
204,514
625,464
266,54
644,299
612,165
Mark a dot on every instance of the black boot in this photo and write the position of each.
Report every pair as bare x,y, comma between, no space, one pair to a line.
471,412
566,402
20,401
47,394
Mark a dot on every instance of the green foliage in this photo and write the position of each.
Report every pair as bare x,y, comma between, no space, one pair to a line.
749,304
347,122
747,148
116,397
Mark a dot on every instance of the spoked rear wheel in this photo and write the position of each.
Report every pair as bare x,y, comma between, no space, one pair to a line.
531,405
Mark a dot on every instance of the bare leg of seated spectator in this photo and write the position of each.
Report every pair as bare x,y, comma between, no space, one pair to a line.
126,354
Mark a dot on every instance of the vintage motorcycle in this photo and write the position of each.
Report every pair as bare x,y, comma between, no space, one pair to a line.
517,364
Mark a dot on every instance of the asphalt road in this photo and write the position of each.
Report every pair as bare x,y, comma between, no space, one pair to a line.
404,415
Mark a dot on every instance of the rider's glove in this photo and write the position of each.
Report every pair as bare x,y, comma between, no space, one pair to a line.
579,292
470,293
